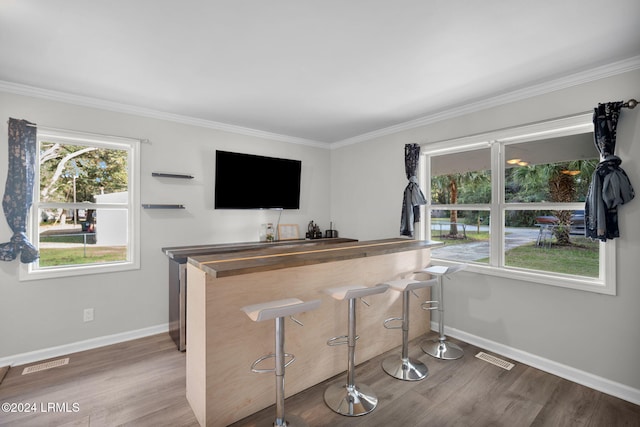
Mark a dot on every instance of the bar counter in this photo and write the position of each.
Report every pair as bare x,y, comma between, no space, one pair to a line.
223,341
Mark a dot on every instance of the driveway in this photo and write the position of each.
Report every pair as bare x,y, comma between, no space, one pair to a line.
515,236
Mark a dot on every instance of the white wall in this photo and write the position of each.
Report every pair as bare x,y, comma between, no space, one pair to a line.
593,333
36,315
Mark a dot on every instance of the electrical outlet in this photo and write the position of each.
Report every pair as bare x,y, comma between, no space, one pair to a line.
88,314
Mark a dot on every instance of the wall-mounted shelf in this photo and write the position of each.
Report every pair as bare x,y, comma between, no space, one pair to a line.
171,175
162,206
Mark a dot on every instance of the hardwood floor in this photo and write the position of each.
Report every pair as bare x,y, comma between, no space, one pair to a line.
138,383
142,383
3,372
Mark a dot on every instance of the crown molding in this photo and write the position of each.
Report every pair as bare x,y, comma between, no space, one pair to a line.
587,76
85,101
601,72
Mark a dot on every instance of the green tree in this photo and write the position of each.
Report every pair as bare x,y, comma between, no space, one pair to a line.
467,187
562,182
91,170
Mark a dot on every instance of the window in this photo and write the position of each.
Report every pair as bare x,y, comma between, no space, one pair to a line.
84,219
511,203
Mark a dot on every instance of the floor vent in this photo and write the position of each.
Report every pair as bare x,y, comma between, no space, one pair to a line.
45,366
495,361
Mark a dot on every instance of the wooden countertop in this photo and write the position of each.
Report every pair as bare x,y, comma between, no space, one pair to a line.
181,253
295,255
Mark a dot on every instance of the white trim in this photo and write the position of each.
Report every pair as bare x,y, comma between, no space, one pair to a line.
601,72
27,274
620,67
132,147
497,139
578,376
561,126
85,101
62,350
580,283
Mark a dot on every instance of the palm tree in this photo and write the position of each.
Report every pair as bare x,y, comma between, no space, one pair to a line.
558,182
446,189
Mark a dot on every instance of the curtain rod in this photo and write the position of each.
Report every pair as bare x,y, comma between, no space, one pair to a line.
33,125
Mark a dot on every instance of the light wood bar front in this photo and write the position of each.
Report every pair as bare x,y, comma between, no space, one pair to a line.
223,341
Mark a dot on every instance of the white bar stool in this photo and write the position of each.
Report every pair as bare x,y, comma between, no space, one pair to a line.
405,368
440,347
350,399
278,310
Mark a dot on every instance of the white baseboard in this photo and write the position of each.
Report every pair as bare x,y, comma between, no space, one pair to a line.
587,379
48,353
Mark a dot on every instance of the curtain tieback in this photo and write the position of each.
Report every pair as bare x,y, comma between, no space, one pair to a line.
611,159
19,238
19,243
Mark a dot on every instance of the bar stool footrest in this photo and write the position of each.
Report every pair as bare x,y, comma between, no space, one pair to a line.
393,319
341,340
270,356
430,305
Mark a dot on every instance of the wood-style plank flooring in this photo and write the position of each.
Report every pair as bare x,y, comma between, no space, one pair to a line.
142,383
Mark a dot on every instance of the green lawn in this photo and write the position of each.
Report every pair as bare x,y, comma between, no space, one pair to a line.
68,238
581,259
472,236
78,255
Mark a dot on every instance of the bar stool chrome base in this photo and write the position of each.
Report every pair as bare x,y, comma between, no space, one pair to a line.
277,311
351,401
289,421
405,369
442,349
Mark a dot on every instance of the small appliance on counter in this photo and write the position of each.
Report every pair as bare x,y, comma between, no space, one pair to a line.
331,233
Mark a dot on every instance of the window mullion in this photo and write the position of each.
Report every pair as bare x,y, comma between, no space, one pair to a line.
424,181
496,233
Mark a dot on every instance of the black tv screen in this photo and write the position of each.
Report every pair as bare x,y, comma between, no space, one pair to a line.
247,181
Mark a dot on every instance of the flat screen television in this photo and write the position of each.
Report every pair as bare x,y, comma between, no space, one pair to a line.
248,181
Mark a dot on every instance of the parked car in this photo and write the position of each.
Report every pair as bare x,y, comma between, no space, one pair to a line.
577,221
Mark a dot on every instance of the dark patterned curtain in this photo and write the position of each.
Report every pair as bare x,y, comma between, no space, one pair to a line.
413,196
18,193
610,186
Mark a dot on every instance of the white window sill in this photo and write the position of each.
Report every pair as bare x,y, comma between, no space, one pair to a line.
545,278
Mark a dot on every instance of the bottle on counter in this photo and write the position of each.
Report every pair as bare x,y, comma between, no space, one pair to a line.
270,233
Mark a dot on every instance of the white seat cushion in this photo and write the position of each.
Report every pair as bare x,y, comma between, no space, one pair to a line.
410,284
355,291
279,308
441,270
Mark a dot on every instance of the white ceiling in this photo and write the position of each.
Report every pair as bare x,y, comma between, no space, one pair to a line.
320,71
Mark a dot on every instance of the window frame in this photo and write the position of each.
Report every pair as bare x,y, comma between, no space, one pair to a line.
132,147
496,141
